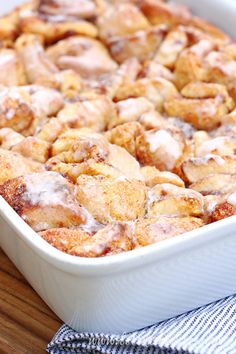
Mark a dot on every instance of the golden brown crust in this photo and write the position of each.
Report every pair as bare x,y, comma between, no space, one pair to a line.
119,199
33,148
132,109
154,230
78,53
9,138
37,65
44,200
93,113
152,69
196,168
170,49
64,239
120,20
78,8
222,145
15,110
91,154
162,148
202,105
170,200
189,66
51,130
14,165
222,211
142,44
153,176
9,26
215,184
125,135
52,31
112,239
11,68
160,12
157,91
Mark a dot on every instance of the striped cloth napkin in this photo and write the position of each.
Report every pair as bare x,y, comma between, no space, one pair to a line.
208,330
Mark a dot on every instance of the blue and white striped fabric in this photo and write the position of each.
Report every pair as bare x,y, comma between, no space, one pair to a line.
208,330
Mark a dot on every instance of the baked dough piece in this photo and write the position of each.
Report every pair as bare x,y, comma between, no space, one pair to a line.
89,153
225,130
153,176
125,135
202,105
142,44
9,138
196,168
112,239
170,49
161,12
39,69
79,53
162,148
153,120
46,102
119,199
44,200
215,184
37,65
24,108
169,200
54,28
14,165
93,113
120,20
65,239
11,68
190,64
225,208
149,231
130,110
50,130
15,110
9,26
157,91
222,145
221,68
77,8
152,69
110,83
33,148
87,137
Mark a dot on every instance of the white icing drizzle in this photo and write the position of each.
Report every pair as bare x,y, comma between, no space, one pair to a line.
204,160
133,108
6,58
92,225
213,146
166,146
47,188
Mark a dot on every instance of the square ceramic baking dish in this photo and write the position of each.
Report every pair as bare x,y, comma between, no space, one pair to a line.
129,291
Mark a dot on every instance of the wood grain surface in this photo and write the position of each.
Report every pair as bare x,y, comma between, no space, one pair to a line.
26,322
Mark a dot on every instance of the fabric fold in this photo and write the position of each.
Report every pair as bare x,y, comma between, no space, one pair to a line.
208,330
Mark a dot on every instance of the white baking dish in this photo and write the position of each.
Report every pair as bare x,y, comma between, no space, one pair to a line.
135,289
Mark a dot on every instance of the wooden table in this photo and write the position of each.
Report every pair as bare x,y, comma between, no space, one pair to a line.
26,323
